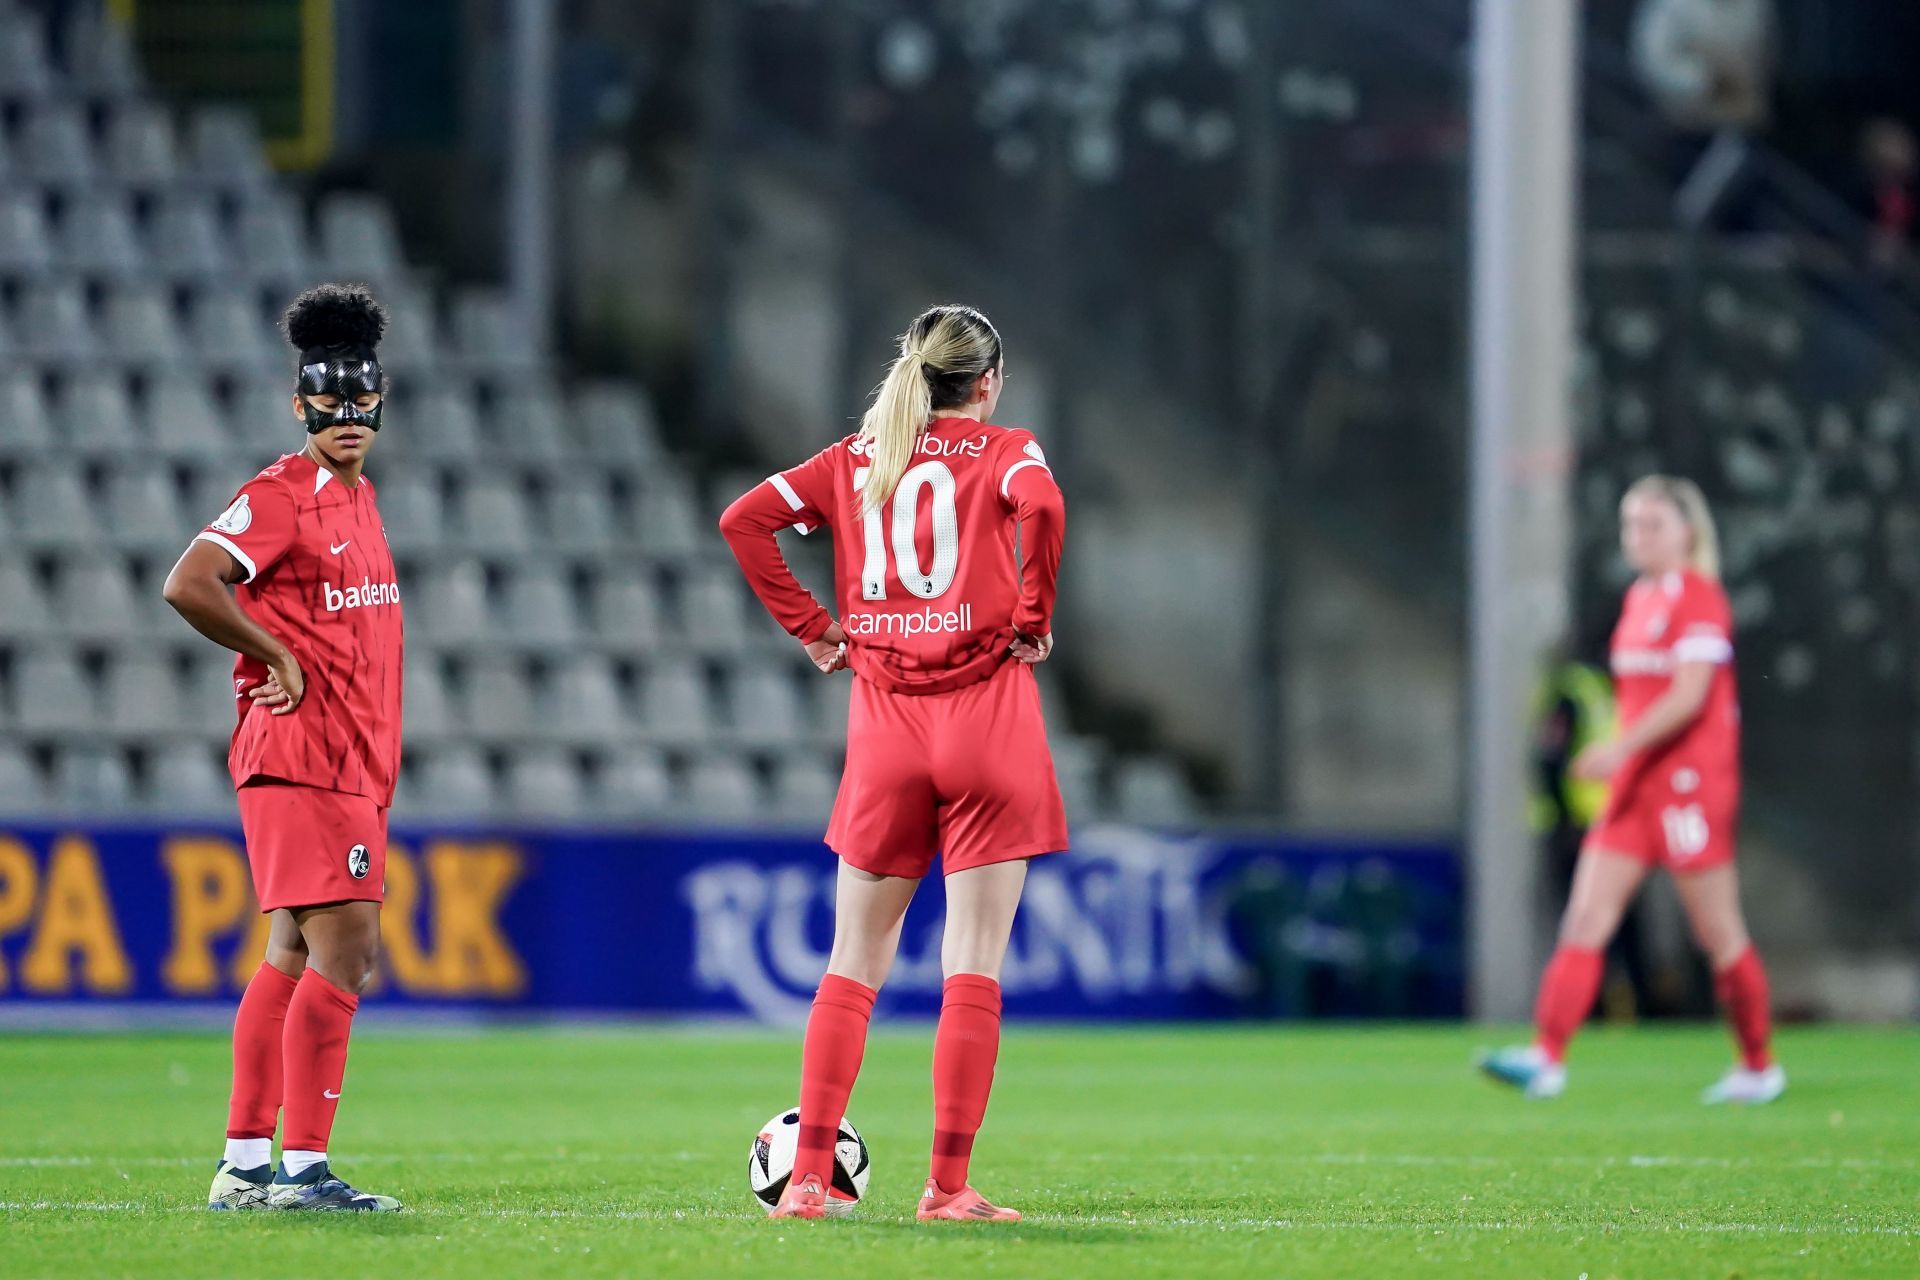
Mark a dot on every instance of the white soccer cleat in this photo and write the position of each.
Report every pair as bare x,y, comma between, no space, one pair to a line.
1752,1087
1527,1069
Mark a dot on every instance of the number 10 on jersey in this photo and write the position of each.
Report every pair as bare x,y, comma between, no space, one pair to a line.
902,511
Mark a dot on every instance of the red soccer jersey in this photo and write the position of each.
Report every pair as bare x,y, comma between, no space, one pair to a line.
1683,617
320,578
929,589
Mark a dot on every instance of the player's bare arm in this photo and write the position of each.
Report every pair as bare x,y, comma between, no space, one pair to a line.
200,589
1679,707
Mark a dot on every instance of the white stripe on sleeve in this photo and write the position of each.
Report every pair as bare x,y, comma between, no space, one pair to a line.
232,548
1007,479
1714,649
786,489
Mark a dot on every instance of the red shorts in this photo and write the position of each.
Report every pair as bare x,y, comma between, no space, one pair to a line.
966,773
1672,817
309,846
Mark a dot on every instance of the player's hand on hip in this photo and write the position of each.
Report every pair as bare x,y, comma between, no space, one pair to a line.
1033,650
284,688
829,652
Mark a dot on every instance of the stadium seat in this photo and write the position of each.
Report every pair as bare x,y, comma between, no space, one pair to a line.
539,609
181,416
626,609
96,415
450,782
1149,790
51,695
667,521
805,787
26,238
211,703
140,697
674,706
90,780
25,429
578,516
225,147
436,423
544,782
271,233
487,333
189,775
454,604
261,410
634,782
429,710
52,508
764,706
93,599
26,613
52,323
412,341
586,703
713,613
357,237
527,424
144,510
56,147
831,698
723,788
616,423
100,57
22,790
493,517
230,333
26,72
1076,766
140,150
140,325
497,696
411,509
97,237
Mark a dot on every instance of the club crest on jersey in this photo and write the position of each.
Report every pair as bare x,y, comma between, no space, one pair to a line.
235,518
1656,626
359,862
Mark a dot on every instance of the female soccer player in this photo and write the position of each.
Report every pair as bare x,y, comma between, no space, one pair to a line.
296,578
1675,769
945,746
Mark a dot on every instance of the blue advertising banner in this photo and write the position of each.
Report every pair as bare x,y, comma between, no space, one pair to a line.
1131,924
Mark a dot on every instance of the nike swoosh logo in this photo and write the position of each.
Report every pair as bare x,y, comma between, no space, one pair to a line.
342,547
328,1093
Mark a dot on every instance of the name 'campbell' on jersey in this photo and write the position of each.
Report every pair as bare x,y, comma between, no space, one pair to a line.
320,578
929,588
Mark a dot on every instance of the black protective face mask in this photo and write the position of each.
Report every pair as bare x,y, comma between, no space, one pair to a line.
349,374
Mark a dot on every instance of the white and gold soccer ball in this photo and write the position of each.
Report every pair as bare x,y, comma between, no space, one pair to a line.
770,1163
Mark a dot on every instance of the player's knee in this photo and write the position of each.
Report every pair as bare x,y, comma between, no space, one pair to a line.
1587,925
291,961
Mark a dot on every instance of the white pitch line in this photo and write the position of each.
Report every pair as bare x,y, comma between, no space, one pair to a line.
1071,1220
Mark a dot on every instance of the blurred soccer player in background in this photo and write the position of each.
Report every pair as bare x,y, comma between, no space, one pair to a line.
946,751
296,578
1675,769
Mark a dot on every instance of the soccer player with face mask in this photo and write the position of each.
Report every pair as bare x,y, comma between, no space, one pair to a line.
296,578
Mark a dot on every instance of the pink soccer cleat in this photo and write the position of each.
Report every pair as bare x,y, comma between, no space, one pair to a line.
964,1205
807,1200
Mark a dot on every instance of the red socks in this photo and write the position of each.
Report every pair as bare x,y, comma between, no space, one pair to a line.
964,1050
1742,988
829,1064
253,1109
314,1050
1567,992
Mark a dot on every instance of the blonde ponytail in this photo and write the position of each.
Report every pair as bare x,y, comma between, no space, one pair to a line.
1686,498
942,355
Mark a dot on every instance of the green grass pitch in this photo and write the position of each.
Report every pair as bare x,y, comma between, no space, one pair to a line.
1271,1152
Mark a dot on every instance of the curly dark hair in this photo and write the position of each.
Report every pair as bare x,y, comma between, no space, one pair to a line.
335,315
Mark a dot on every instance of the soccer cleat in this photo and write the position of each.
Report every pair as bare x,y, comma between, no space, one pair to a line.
807,1200
1525,1068
236,1188
1742,1085
964,1205
318,1189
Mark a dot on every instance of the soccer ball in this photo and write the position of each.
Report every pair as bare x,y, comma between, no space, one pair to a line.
770,1163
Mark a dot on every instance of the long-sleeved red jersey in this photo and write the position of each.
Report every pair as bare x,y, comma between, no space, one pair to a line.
930,590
